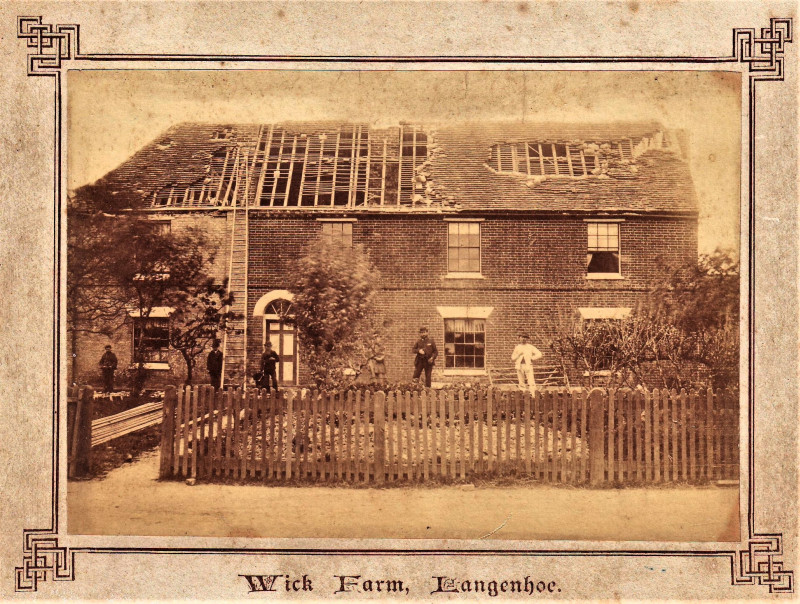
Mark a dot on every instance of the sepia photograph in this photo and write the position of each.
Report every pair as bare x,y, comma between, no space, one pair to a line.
464,304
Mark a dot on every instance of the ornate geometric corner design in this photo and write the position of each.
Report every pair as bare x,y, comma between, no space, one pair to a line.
759,562
52,47
764,55
42,555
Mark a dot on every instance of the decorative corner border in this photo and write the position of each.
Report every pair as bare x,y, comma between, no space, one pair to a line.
42,555
53,44
758,563
764,54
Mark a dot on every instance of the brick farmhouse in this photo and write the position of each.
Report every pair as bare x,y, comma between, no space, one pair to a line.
479,231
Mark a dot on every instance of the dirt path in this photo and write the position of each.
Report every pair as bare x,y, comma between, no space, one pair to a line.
129,501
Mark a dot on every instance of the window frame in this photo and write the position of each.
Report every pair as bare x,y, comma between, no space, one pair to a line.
334,239
456,274
455,370
605,276
607,314
160,360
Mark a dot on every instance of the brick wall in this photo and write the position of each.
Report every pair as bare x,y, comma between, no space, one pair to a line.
533,269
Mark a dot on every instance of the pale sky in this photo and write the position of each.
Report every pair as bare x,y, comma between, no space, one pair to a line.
113,113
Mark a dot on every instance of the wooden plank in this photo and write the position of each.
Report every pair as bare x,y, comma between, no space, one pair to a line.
553,444
480,410
526,411
708,402
573,418
379,405
300,434
283,444
262,426
583,396
405,428
289,433
417,414
358,446
207,392
682,415
538,466
563,404
629,449
346,427
244,453
692,426
193,430
462,433
442,436
611,432
252,410
674,428
499,408
425,413
451,438
649,474
639,441
597,463
167,433
717,415
225,437
186,410
619,402
470,422
390,432
327,436
656,409
517,419
315,436
665,440
271,432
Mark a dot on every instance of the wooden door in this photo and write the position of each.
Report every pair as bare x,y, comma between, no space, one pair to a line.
283,335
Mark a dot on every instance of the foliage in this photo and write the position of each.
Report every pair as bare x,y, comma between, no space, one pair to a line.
685,329
199,316
121,263
334,290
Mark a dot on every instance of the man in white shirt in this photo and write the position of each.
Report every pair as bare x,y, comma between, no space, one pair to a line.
523,356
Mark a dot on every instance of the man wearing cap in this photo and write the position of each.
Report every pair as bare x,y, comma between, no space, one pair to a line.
108,365
214,365
523,356
269,361
426,352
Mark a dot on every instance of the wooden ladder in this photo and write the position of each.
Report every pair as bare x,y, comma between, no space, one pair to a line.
234,346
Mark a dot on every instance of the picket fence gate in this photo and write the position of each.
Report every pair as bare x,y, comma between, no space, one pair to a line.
557,436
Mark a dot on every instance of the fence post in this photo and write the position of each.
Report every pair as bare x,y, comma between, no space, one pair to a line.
83,427
596,437
380,436
168,432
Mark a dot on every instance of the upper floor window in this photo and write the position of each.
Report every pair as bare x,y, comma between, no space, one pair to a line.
338,233
464,247
602,256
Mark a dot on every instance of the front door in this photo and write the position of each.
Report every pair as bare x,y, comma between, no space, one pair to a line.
283,335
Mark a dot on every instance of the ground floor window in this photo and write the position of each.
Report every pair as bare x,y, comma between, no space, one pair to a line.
151,339
464,343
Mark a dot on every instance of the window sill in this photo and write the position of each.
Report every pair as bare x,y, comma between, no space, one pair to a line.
464,276
463,372
601,373
604,276
153,366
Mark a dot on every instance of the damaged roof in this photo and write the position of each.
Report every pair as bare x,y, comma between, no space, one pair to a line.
445,167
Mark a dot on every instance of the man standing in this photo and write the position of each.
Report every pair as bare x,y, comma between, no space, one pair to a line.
426,352
108,365
523,356
269,361
214,365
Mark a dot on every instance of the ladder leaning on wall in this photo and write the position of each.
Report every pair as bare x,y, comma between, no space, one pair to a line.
234,345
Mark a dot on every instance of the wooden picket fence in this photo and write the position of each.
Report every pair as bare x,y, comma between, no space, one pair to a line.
557,436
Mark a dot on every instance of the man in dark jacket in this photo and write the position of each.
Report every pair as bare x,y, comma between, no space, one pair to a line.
214,365
426,352
108,365
269,361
